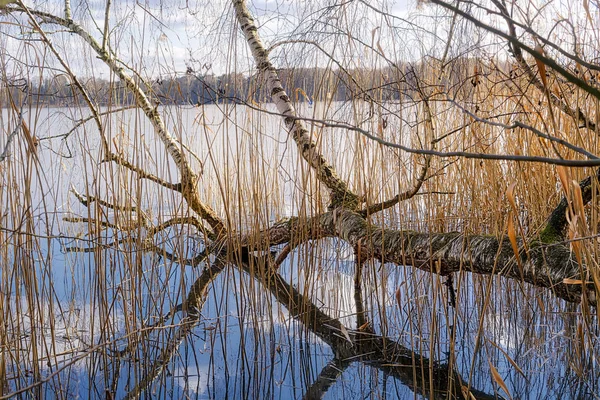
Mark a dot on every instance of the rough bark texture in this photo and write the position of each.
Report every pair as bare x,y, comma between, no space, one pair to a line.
556,228
444,253
543,265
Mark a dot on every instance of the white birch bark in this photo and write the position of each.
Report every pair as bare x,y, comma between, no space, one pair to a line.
189,179
326,173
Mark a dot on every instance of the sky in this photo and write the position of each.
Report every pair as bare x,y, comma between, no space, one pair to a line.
166,38
160,39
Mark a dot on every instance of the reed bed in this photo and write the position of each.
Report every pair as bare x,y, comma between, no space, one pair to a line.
95,301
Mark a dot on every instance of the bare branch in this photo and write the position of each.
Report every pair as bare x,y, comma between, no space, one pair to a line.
68,10
179,221
537,132
592,162
408,194
110,156
83,121
465,154
87,200
189,179
106,29
517,47
340,193
422,176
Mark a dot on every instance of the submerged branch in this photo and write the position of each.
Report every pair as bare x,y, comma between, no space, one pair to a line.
93,221
192,306
419,373
327,377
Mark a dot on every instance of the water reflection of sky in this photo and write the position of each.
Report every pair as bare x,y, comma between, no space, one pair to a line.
247,345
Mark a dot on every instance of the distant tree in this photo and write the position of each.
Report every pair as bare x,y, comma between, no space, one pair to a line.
481,137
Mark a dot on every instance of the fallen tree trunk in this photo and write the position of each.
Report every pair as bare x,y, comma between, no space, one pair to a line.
444,253
542,265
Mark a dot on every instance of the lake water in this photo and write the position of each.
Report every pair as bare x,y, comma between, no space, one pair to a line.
79,324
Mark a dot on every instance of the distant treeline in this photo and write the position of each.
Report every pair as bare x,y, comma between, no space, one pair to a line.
302,84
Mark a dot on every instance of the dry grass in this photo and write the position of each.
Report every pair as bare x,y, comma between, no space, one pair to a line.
68,316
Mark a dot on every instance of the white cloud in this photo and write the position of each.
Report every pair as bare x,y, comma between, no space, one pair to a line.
53,334
193,378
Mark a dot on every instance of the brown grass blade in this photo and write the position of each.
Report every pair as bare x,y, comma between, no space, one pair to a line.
578,201
512,236
466,392
568,281
509,359
498,379
575,245
586,7
563,174
510,194
541,66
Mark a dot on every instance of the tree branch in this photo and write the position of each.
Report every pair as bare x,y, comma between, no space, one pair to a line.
444,253
517,47
340,193
556,227
189,180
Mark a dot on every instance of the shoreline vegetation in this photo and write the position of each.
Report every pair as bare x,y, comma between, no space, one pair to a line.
305,84
452,203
